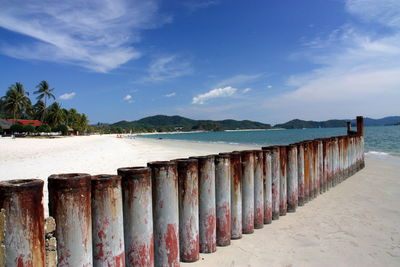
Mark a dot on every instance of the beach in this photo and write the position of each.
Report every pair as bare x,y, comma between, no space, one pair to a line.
355,223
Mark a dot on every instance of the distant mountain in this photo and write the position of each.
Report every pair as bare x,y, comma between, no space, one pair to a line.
173,123
299,124
381,122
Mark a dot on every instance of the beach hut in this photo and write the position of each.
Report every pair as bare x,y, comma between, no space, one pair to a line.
5,127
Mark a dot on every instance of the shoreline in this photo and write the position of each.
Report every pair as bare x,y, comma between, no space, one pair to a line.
353,224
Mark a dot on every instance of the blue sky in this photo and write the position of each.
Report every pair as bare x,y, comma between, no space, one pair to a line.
269,61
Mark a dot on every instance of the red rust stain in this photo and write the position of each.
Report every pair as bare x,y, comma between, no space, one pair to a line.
224,226
119,260
142,254
171,240
21,263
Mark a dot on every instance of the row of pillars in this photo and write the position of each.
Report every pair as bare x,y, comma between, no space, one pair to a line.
170,211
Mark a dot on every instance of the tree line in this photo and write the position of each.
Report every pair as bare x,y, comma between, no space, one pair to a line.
16,104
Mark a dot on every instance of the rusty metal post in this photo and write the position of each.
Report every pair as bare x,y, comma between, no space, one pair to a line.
300,173
165,212
138,216
223,198
275,182
236,196
258,189
207,214
70,206
247,191
267,186
283,181
325,164
307,154
2,232
24,222
107,222
292,178
188,183
336,160
360,125
320,167
315,168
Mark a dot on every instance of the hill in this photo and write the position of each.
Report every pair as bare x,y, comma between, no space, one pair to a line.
299,124
173,123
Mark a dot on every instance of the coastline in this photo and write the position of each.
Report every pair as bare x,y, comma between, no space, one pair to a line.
353,224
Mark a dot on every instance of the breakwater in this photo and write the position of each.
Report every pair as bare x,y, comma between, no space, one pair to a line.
170,211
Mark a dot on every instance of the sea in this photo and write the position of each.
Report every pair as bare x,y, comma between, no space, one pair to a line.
378,140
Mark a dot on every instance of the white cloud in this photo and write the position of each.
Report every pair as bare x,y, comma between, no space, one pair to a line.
214,93
128,98
166,68
269,86
386,12
97,35
359,73
67,96
246,90
238,80
170,94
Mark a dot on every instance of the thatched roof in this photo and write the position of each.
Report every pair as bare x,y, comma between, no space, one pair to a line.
4,124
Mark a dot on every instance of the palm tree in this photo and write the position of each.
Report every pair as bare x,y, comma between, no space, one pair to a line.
39,110
56,114
16,100
44,91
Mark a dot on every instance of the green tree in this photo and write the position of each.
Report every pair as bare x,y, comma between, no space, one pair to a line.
55,114
39,110
44,92
16,100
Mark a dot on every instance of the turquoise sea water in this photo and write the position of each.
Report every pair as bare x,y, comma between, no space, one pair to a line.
382,139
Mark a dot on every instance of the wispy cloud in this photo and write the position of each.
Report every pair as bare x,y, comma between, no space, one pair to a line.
67,96
193,5
384,11
246,90
239,80
97,35
359,71
128,98
214,93
269,86
166,68
170,94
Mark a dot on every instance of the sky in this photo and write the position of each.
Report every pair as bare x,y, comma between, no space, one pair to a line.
269,61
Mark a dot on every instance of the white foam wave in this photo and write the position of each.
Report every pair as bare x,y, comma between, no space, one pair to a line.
377,153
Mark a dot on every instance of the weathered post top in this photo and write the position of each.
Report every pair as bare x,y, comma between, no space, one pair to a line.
360,125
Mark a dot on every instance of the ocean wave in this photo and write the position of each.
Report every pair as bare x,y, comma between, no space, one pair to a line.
378,153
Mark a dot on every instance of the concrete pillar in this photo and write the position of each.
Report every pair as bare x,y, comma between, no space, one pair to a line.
223,198
258,189
283,181
247,158
300,173
292,178
107,221
70,206
267,186
24,242
165,213
188,210
138,216
236,196
207,213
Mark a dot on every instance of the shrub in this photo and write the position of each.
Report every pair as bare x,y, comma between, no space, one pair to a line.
17,128
43,128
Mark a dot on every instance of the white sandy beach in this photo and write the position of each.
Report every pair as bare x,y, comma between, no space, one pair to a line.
357,223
